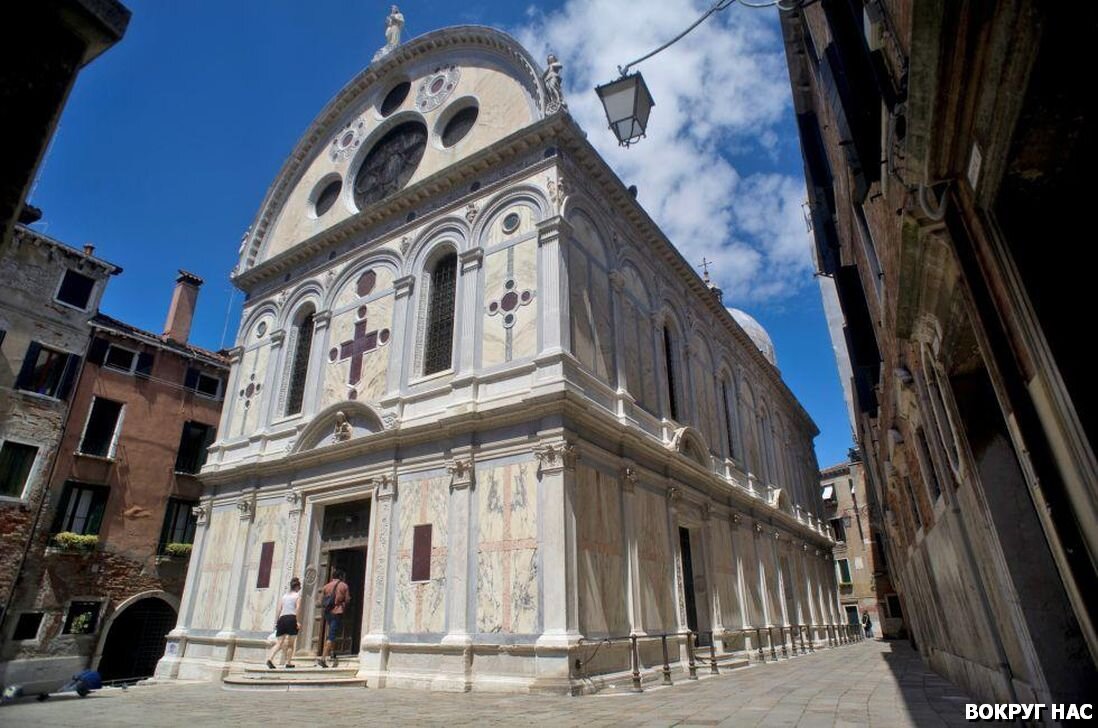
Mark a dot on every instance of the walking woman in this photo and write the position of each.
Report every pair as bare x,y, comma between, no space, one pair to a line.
288,625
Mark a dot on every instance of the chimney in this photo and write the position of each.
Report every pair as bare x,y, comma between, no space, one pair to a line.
89,249
181,312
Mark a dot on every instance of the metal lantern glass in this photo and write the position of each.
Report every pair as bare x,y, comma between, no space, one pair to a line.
627,104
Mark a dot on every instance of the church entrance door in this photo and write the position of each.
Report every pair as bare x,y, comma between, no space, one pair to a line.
343,538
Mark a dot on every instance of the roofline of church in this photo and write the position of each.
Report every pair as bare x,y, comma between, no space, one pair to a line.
319,130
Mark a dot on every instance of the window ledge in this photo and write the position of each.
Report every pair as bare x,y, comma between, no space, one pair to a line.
56,551
37,395
100,458
11,500
185,474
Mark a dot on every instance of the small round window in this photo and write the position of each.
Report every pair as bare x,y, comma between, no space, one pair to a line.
511,222
459,125
395,98
328,196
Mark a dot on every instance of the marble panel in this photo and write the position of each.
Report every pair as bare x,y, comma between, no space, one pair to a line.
260,604
602,319
507,570
419,607
348,295
583,326
494,232
374,367
250,378
216,569
656,563
524,333
631,356
600,540
726,576
494,345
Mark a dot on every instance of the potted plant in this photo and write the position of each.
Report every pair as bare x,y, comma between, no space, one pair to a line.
178,550
76,542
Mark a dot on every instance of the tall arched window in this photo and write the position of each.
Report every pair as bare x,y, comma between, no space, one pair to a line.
727,409
299,367
669,367
439,336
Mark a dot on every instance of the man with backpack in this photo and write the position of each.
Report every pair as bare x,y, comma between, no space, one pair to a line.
334,598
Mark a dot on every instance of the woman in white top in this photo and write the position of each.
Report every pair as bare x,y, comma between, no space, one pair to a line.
289,623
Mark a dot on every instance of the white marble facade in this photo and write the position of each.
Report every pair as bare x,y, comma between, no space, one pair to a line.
552,461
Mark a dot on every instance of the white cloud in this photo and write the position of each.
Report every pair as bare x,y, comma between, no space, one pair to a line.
722,96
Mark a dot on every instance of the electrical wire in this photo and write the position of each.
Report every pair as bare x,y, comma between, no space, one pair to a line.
785,5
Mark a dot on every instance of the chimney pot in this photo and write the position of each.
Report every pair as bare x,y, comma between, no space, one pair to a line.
89,249
181,312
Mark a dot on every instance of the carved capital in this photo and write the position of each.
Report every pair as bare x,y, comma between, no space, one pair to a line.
617,279
295,500
673,495
628,479
757,527
552,229
471,259
706,511
555,457
321,319
201,514
403,286
735,518
235,355
386,487
389,420
277,337
461,473
245,506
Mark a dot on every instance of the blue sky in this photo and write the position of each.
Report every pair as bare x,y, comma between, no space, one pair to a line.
170,140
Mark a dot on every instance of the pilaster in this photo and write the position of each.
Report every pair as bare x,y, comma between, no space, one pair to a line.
270,379
403,334
461,468
554,332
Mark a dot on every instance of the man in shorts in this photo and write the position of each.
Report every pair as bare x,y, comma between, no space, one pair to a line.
334,598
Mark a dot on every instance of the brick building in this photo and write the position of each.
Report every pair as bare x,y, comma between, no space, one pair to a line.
108,559
948,148
860,565
50,291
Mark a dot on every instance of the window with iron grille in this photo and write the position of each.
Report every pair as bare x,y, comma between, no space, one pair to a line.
669,360
300,366
179,523
439,343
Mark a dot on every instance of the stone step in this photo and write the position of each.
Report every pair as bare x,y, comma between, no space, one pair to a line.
239,682
302,670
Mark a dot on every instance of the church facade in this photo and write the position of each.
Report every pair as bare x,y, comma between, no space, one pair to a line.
472,373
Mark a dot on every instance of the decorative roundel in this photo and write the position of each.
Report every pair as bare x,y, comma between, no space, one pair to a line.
436,88
383,336
511,222
333,354
261,329
347,141
362,312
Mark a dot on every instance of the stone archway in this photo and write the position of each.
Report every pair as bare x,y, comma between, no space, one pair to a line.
134,638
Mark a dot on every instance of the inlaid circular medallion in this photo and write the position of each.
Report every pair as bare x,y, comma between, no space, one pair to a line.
261,329
346,141
436,88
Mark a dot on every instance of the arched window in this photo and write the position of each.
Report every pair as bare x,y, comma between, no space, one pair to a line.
669,367
727,409
299,367
439,336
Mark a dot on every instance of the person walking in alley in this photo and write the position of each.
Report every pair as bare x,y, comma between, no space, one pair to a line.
867,624
288,625
334,600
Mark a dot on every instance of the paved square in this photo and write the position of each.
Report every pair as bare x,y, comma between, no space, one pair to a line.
866,684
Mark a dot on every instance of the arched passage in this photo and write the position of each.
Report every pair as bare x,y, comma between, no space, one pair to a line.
135,639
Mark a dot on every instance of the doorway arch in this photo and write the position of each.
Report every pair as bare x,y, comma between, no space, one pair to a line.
134,638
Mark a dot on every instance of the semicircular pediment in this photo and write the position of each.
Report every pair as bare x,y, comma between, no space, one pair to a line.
347,161
340,422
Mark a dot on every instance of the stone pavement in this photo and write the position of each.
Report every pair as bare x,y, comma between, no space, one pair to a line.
866,684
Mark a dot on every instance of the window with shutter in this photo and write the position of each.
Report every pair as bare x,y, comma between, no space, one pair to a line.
16,461
101,431
46,371
81,508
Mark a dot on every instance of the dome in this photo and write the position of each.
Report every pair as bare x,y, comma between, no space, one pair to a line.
757,333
